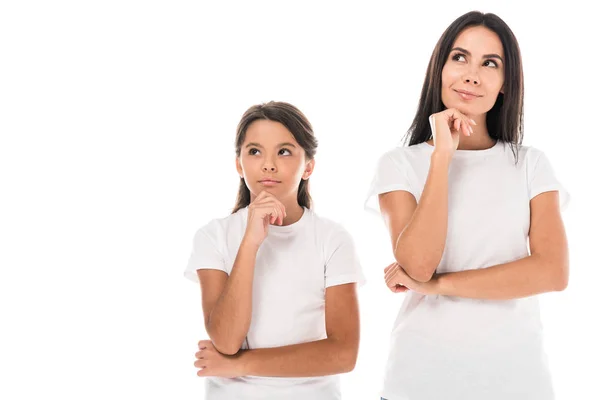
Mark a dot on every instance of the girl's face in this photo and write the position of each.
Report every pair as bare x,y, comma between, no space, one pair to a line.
474,72
271,159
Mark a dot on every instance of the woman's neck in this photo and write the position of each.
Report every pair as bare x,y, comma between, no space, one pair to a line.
479,139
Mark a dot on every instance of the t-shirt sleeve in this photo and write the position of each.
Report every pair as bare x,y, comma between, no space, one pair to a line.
205,253
543,179
342,265
391,174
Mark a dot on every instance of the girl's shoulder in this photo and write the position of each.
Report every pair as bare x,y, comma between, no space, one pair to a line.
328,229
218,228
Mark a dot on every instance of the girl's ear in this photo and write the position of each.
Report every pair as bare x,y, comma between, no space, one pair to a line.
308,170
238,166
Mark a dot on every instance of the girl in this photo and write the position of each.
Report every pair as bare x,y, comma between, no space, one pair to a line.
460,203
277,280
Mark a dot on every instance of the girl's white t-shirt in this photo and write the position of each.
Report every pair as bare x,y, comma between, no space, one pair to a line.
294,266
445,347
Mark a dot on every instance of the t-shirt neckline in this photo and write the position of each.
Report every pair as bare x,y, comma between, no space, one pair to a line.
288,228
496,148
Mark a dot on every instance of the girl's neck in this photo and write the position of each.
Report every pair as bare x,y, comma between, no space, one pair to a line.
294,212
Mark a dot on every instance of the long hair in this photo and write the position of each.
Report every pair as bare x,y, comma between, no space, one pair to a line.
296,122
505,119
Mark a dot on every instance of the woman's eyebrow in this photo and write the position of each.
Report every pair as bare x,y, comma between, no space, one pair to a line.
467,52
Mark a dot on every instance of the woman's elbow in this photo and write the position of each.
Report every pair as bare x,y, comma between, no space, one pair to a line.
419,270
562,279
561,276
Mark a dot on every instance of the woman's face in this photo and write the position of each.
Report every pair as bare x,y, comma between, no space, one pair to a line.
271,159
474,72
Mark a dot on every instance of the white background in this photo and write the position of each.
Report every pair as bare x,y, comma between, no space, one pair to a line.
117,122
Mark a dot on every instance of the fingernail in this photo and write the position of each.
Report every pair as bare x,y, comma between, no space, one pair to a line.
474,123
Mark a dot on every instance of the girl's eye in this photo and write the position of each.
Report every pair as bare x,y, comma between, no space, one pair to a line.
458,56
253,151
488,62
284,152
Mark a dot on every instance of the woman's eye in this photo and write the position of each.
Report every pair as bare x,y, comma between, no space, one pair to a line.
488,62
284,152
459,57
253,152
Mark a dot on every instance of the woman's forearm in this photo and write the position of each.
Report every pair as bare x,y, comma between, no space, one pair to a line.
522,278
420,245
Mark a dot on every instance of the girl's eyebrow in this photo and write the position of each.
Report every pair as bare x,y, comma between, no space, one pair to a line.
252,144
467,52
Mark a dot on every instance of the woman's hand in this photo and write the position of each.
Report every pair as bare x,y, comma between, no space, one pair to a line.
265,210
213,363
398,281
446,127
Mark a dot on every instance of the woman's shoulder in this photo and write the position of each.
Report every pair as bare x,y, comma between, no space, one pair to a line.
529,154
401,153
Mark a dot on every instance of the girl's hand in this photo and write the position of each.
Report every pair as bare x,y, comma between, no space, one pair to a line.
213,363
446,127
265,210
398,281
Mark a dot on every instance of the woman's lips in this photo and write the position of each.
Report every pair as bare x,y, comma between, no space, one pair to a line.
465,95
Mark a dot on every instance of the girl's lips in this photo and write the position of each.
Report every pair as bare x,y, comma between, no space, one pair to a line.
268,182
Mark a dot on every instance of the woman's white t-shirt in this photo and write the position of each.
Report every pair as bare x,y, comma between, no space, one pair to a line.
445,347
294,266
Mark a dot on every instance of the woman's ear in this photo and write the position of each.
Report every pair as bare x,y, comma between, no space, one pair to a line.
308,170
238,166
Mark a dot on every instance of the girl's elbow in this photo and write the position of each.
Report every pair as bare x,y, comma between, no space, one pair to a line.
348,360
224,346
227,349
347,364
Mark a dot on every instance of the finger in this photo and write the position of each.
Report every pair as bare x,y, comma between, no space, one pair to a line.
386,269
466,128
391,282
400,289
268,209
260,197
200,354
392,271
457,125
204,343
200,364
392,286
280,212
203,372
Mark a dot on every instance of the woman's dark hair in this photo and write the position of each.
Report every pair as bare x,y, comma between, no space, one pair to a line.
295,122
505,119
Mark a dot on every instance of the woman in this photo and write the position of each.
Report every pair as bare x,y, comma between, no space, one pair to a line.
460,203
